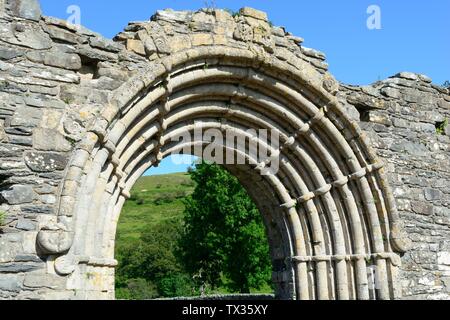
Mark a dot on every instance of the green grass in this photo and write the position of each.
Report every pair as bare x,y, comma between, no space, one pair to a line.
154,200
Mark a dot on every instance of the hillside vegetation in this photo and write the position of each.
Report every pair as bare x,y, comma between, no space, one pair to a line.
154,200
148,243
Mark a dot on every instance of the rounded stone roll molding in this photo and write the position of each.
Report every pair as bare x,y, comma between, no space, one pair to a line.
355,176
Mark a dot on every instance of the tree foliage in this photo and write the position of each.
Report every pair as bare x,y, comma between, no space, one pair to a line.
220,247
223,233
149,269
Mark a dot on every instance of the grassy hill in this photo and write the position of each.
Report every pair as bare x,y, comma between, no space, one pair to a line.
154,200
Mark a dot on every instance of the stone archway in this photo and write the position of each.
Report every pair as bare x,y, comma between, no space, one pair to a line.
82,117
329,211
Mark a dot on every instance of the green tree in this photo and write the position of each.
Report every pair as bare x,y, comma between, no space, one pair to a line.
148,267
152,257
224,233
177,285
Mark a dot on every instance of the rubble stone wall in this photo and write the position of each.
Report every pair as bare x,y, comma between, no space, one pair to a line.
56,79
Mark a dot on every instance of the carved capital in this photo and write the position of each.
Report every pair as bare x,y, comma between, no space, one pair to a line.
55,239
65,265
399,238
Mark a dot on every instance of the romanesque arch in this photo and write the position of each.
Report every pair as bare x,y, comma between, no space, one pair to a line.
331,217
330,202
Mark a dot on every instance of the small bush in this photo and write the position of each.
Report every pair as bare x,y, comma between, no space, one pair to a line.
441,126
137,198
189,183
164,199
177,285
180,194
137,289
133,197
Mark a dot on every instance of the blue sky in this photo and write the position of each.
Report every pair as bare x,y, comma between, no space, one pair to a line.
414,35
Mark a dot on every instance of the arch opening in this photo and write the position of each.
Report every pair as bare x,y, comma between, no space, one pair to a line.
261,199
328,193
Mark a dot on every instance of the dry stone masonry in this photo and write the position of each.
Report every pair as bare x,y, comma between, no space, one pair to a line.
359,210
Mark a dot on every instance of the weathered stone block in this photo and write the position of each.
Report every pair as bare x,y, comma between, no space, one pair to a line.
250,12
63,35
26,225
19,267
48,199
400,123
423,208
37,210
50,140
39,280
162,44
313,53
108,70
179,43
391,93
29,242
63,60
96,54
412,148
10,53
10,282
444,258
446,282
243,32
28,258
105,44
202,22
137,46
378,117
45,161
26,116
432,194
3,136
30,36
201,39
18,194
171,15
403,205
8,250
27,9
